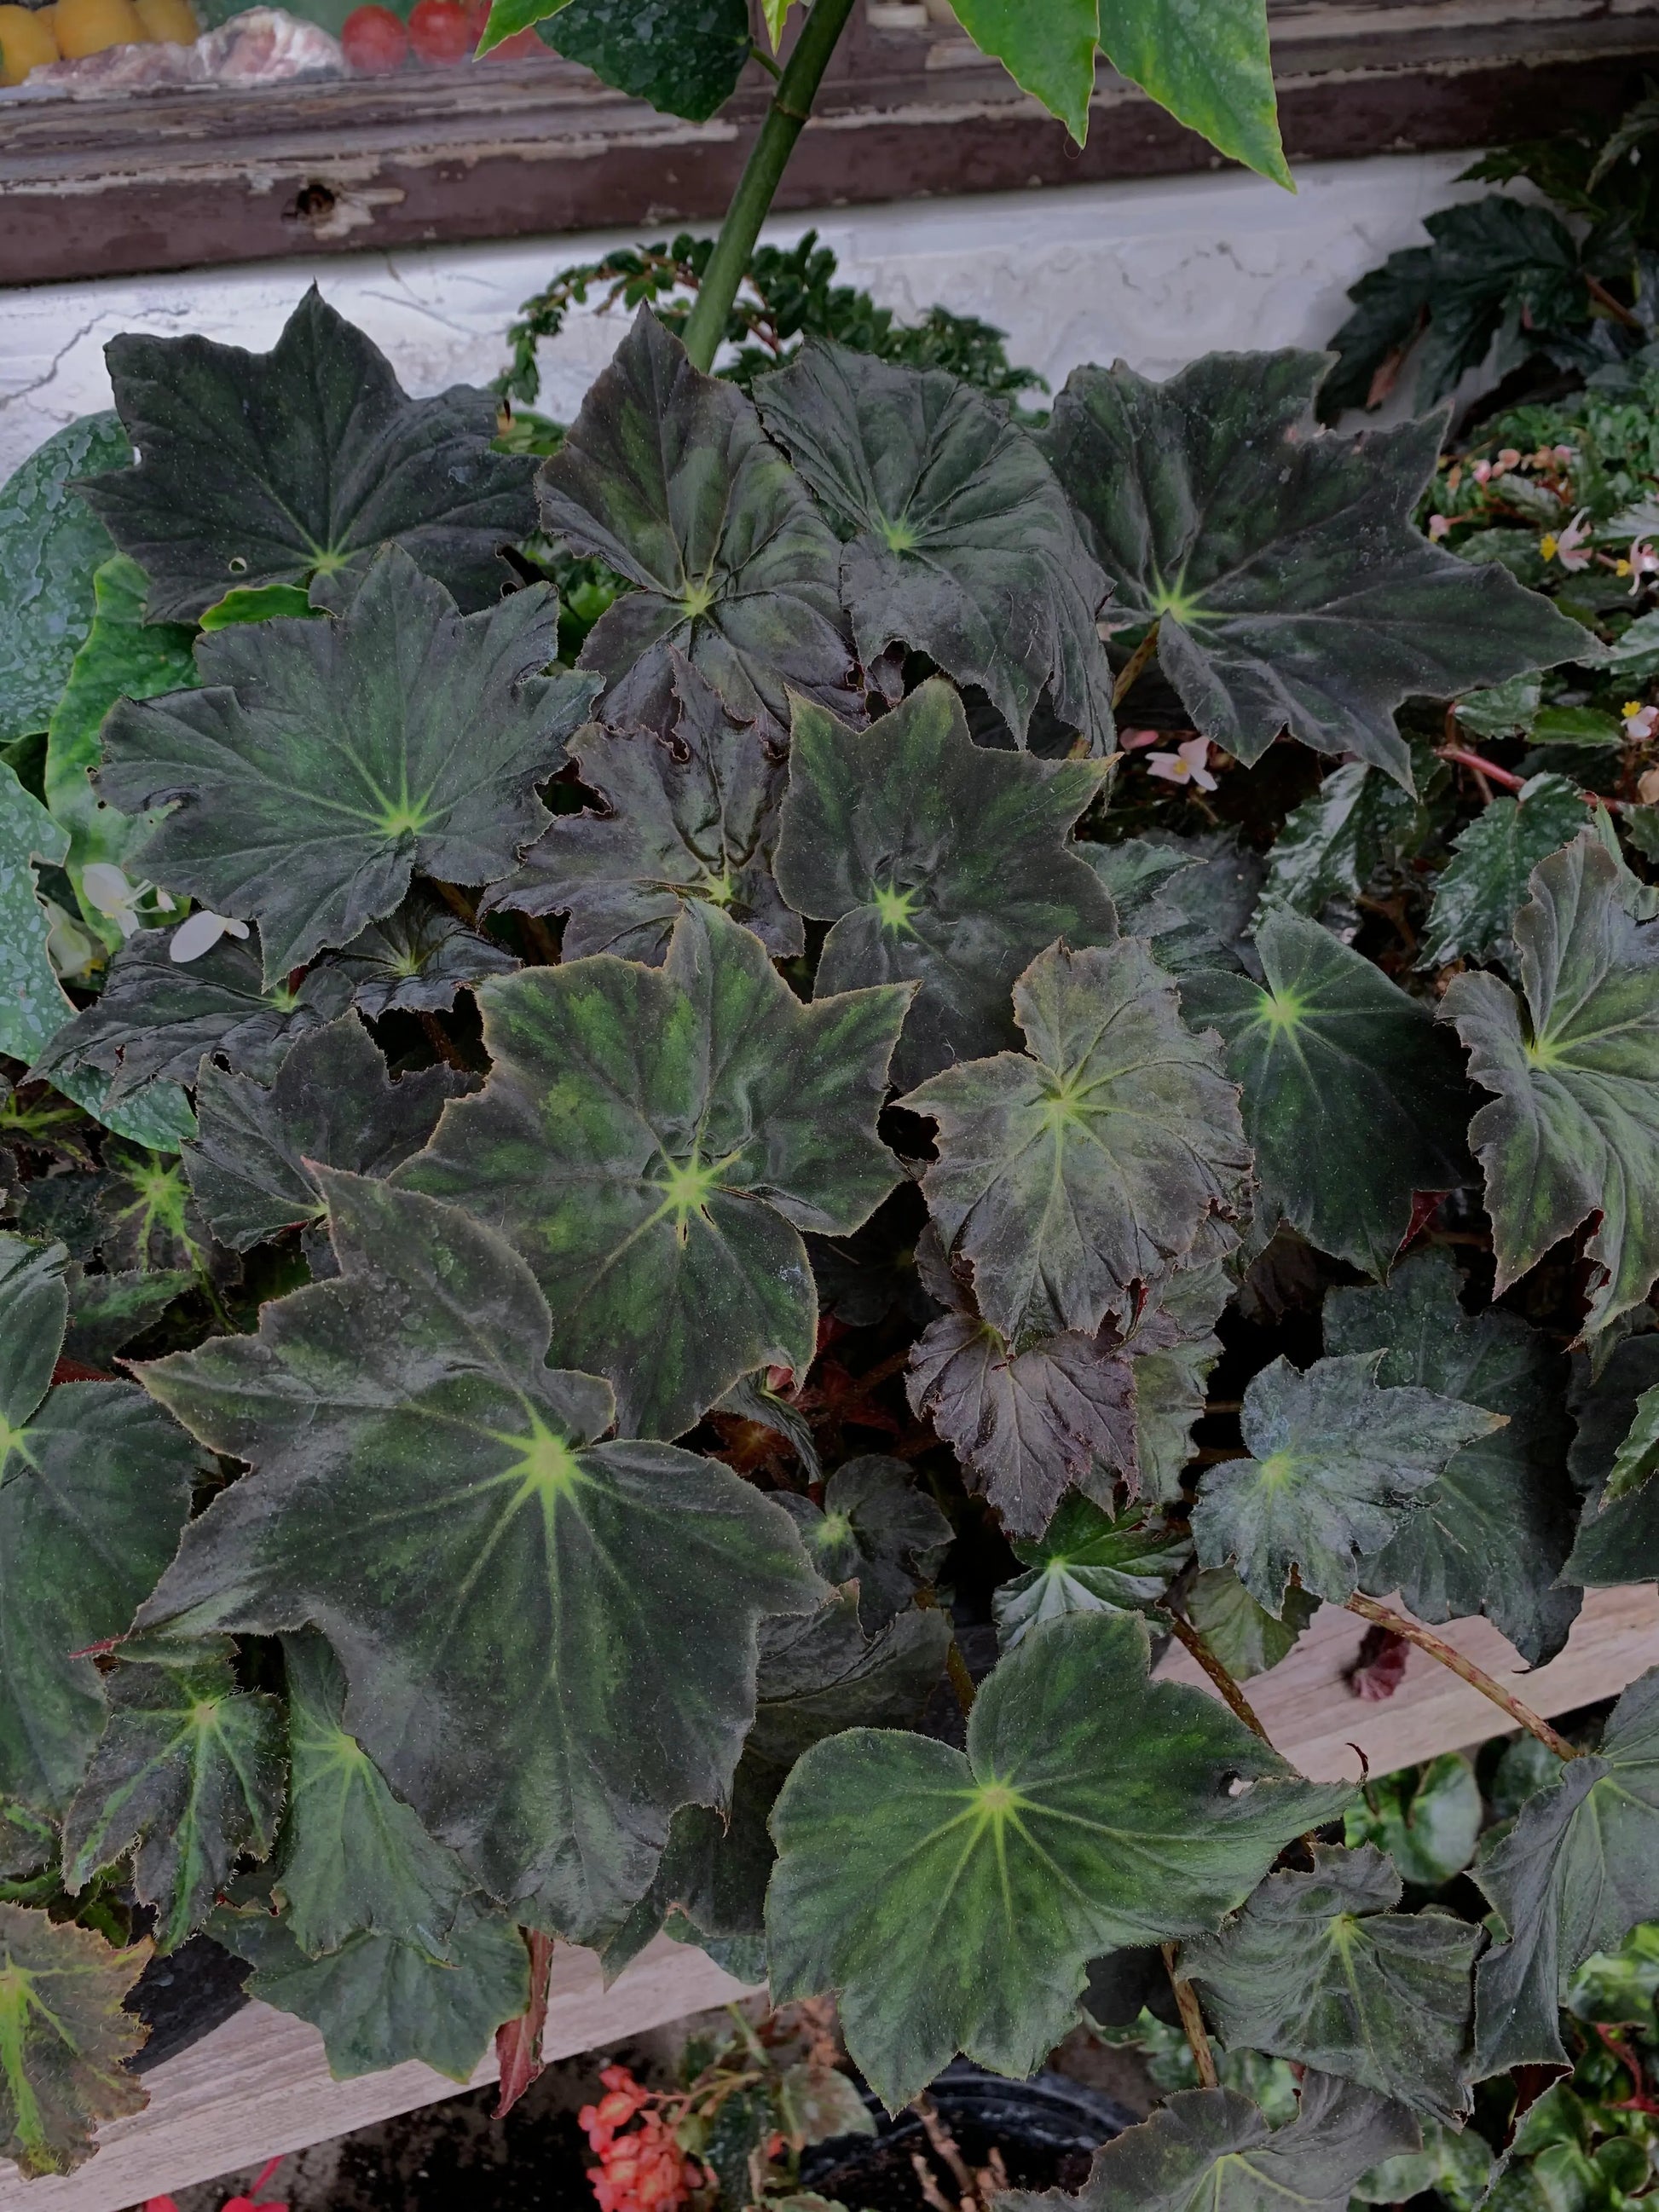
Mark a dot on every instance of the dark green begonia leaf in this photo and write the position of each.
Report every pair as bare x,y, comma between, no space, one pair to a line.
331,1104
324,761
1574,1128
1338,1464
752,1400
1069,1174
1290,587
1089,1561
691,815
148,1220
954,1900
67,2033
378,2001
685,57
957,541
155,1016
1427,1819
107,1311
1194,897
710,1886
50,546
1334,842
1173,1347
1244,1636
1353,1100
414,960
654,1140
1211,2150
189,1775
1319,1969
423,1494
352,1859
668,478
1573,1876
874,1526
938,861
294,465
94,1486
1478,892
1618,1538
1491,1534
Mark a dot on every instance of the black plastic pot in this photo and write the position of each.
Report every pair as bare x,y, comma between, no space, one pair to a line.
1047,2129
184,1996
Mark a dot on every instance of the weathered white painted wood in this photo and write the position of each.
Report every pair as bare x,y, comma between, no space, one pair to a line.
260,2084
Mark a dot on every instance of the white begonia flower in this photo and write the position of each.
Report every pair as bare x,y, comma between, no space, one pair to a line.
106,887
71,947
201,933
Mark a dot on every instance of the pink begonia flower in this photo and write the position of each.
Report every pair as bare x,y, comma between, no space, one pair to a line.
1481,471
1510,458
1640,722
1569,548
201,933
1133,740
1189,763
1564,453
1439,525
1639,564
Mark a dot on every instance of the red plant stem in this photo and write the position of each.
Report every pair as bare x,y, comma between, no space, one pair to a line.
1476,1677
1189,1640
1464,758
1192,2021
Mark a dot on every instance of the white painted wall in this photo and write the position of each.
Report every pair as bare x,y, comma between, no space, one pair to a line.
1152,271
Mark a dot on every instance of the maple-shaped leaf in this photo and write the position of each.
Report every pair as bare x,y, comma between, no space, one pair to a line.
654,1139
416,960
351,1859
957,540
1338,1464
1615,1455
693,814
331,1104
1353,1100
51,547
1491,1534
1069,1174
107,1311
938,861
1290,587
668,478
324,761
1089,1561
954,1900
1244,1636
147,1217
1479,892
1211,2150
379,2002
94,1486
874,1526
61,2070
294,465
1576,1872
189,1776
1193,897
424,1494
1319,1969
156,1015
1574,1061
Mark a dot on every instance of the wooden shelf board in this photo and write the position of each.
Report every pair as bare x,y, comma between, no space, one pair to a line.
260,2084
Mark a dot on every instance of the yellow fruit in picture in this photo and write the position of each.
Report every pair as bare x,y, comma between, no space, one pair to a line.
168,22
87,26
26,41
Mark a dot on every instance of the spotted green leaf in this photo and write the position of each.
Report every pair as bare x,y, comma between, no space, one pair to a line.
1573,1129
378,2001
189,1776
954,1900
351,1859
1290,587
938,861
424,1493
1211,2150
874,1526
331,1104
1353,1100
685,57
690,815
65,2037
1338,1463
293,466
325,762
1479,892
51,546
1089,1561
956,540
1573,1875
1090,1164
94,1486
1491,1534
1358,819
1319,1968
668,478
654,1140
34,1004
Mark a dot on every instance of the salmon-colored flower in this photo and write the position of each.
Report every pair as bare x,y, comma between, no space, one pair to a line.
1189,763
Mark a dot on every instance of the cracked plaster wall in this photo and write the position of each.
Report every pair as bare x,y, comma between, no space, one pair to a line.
1154,272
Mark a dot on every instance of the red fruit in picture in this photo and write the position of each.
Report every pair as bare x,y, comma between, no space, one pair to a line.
439,32
374,42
